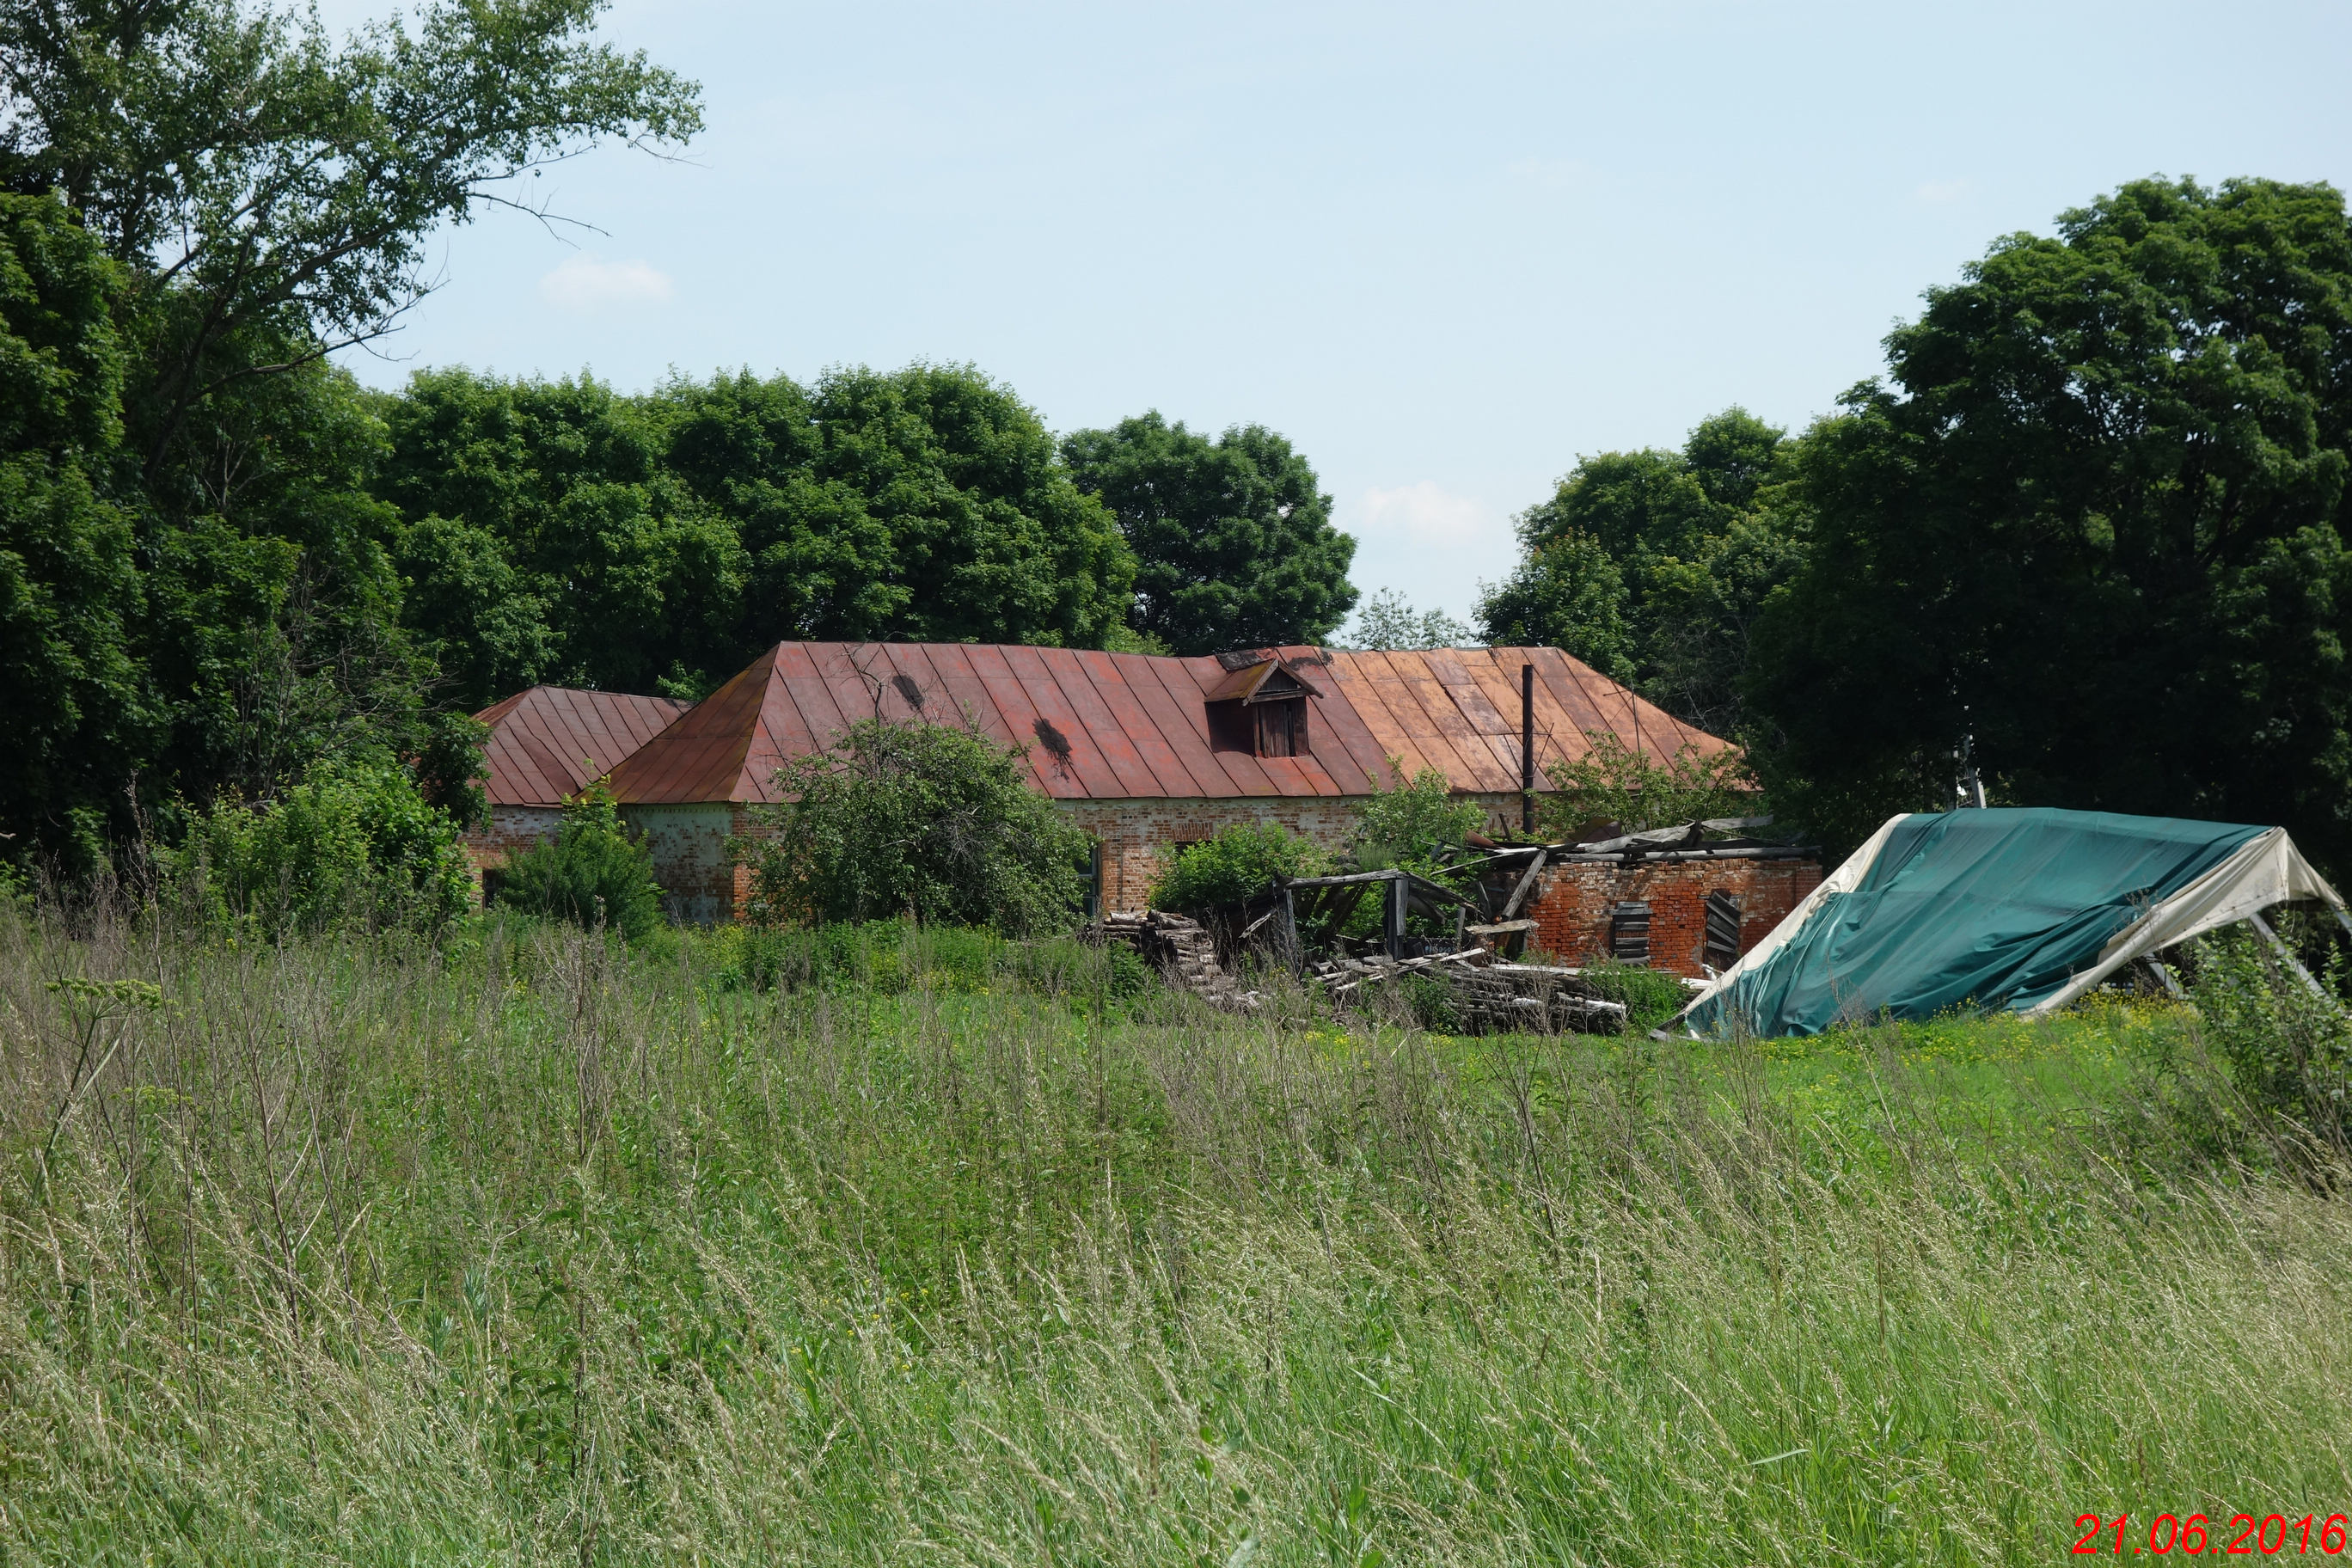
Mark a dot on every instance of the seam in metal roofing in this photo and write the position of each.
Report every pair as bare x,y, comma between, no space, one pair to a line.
1137,725
552,742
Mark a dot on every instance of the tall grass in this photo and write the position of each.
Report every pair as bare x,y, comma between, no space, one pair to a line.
546,1251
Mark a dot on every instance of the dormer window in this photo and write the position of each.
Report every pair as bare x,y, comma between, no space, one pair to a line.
1261,708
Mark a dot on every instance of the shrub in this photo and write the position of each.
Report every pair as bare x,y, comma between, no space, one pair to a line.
2288,1051
591,871
1409,825
1239,861
1614,782
1651,996
921,819
351,844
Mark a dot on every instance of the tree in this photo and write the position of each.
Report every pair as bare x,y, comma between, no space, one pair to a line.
251,177
199,594
1622,785
2097,519
924,503
1387,621
1240,861
76,713
1232,539
1409,822
923,819
1651,566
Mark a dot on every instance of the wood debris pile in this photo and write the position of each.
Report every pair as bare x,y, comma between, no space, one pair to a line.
1488,995
1184,951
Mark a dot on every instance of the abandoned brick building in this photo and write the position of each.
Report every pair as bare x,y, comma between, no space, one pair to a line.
1146,754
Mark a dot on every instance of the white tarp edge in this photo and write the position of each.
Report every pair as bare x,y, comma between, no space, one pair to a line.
2263,870
1844,880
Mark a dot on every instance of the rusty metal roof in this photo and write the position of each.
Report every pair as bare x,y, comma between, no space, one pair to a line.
1138,726
552,742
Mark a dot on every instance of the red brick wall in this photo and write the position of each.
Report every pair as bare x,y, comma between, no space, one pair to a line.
511,828
1572,904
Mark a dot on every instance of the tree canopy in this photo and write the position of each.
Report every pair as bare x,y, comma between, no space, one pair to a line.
2096,516
199,201
1651,566
1233,538
567,533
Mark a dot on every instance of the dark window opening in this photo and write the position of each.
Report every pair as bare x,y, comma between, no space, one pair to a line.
1722,930
1629,934
493,884
1095,881
1282,728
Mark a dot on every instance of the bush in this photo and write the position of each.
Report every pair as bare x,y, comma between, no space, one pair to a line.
2288,1052
1409,825
1239,861
1651,996
920,819
1614,782
592,871
354,844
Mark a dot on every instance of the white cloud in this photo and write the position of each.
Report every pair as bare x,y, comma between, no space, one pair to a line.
1423,515
587,282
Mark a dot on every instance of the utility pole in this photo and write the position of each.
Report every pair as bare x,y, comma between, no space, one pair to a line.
1527,748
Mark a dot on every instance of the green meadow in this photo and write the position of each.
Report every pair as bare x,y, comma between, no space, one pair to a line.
928,1248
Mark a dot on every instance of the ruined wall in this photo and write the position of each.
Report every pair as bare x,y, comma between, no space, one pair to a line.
510,830
1132,832
700,881
1572,903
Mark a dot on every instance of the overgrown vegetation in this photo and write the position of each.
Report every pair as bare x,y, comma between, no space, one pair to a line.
594,873
1408,823
535,1246
920,819
351,844
1613,783
1239,861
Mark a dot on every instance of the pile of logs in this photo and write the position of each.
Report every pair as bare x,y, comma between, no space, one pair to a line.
1184,951
1488,996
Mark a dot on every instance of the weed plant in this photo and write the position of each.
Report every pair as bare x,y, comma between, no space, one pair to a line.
547,1249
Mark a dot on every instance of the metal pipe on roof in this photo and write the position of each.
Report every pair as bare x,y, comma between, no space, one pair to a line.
1526,748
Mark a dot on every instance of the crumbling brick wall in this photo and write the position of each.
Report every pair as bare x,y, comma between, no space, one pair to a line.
700,879
1573,901
510,830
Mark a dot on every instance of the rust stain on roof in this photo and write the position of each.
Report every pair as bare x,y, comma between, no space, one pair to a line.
1136,727
550,743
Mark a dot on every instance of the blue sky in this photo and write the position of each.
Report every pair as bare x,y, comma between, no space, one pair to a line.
1445,250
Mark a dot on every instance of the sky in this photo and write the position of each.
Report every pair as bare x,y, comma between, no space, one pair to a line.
1446,250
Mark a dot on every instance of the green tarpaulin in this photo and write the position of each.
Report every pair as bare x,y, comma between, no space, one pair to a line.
1985,909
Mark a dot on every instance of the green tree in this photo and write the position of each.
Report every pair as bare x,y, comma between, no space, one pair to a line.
1240,861
76,711
2097,519
1615,782
250,197
1386,620
921,819
1653,566
926,503
592,873
1409,822
1233,538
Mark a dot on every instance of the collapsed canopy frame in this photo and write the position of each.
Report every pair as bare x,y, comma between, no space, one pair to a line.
2023,910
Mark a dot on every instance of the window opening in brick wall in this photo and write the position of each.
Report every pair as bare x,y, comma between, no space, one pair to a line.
1722,930
493,883
1629,934
1095,881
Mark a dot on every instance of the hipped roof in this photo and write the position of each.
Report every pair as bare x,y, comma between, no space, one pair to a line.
1136,726
552,742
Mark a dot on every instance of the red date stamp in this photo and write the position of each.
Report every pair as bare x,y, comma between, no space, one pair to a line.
2244,1536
